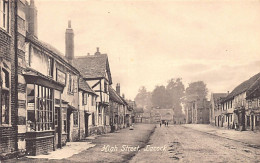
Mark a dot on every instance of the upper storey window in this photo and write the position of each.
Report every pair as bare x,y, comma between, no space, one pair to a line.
4,15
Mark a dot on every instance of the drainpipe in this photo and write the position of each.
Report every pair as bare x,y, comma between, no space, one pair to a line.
16,73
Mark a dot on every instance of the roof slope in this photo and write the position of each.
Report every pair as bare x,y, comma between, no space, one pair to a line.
114,96
93,66
83,85
217,97
243,87
254,90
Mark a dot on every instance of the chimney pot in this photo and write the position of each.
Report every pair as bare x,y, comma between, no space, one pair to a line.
69,24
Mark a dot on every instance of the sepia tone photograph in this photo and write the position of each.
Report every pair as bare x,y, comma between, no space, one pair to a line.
129,81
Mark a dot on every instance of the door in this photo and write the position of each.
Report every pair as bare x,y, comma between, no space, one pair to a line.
86,124
252,122
69,112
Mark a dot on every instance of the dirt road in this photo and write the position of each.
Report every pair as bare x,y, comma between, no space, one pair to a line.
188,145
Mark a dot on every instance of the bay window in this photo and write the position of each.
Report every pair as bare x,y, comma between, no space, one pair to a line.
39,108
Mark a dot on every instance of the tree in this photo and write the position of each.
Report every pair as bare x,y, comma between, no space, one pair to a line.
143,98
174,92
159,97
197,89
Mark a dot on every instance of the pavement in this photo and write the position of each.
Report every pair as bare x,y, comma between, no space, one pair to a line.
247,137
67,151
119,146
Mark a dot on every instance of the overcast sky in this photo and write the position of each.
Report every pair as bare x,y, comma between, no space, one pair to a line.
149,42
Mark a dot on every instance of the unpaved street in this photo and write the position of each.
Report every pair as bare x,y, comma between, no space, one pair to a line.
177,143
188,145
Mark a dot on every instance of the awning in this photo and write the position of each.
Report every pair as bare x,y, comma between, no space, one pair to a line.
32,77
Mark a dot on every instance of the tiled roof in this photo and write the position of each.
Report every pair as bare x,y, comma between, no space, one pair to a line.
83,85
243,87
93,66
254,89
114,96
218,97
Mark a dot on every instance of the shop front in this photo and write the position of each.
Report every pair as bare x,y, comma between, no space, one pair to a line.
40,126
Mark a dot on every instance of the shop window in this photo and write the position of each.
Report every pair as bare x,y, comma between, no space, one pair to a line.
75,118
5,97
231,118
4,14
248,120
39,108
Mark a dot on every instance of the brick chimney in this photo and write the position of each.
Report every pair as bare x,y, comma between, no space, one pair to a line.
69,42
118,88
31,18
97,53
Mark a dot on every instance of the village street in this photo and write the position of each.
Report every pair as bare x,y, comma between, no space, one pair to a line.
175,143
187,143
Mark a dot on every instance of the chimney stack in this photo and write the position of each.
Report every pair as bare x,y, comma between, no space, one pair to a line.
97,53
118,88
31,16
69,42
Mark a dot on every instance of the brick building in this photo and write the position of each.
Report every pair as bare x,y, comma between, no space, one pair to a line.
8,102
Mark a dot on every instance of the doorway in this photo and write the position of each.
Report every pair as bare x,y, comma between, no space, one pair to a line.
86,124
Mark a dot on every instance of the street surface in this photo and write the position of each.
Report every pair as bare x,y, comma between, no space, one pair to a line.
189,145
178,143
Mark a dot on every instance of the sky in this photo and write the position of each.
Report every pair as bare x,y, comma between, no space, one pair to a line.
149,42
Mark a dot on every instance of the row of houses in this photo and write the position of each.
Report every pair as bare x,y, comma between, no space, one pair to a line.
239,109
48,98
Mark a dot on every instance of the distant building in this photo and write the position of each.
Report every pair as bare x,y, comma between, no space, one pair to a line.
197,110
215,115
138,115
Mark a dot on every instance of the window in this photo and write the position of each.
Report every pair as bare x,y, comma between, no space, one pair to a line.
250,104
75,118
84,98
39,108
50,66
56,117
64,114
71,83
105,87
92,100
4,14
5,97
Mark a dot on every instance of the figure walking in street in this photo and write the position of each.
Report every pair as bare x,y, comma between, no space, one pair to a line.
160,124
167,124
